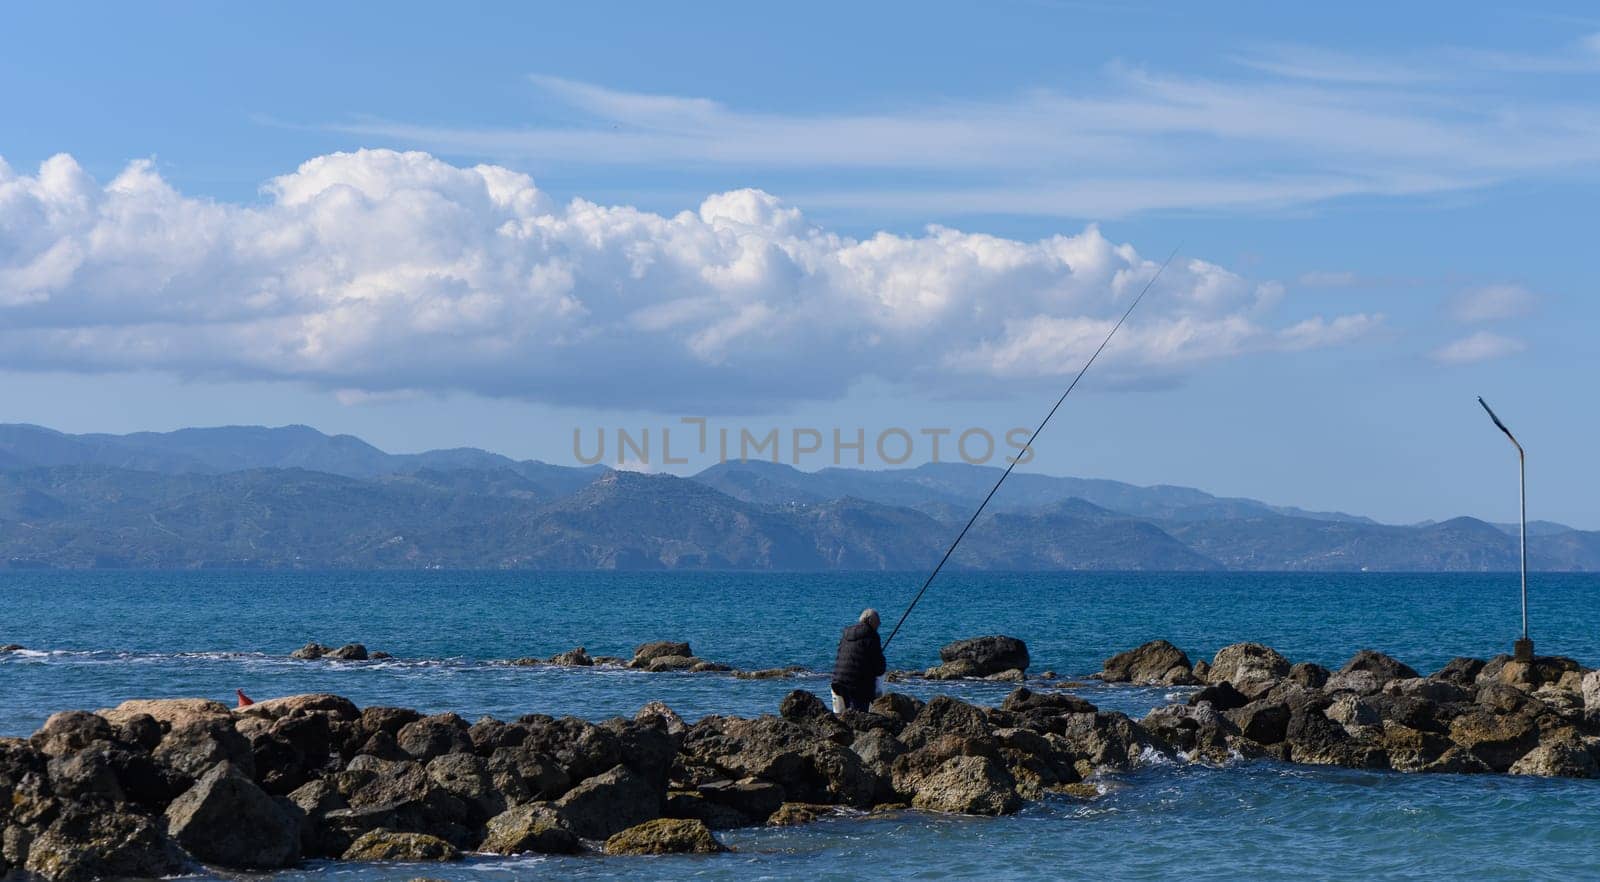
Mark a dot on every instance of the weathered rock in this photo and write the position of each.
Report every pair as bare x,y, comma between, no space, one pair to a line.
1351,710
311,652
648,652
1381,666
662,664
970,785
226,819
388,845
535,827
1499,740
84,844
141,731
795,814
809,767
1243,664
489,735
987,655
89,774
389,720
1460,670
1221,695
70,731
171,713
691,805
1264,721
1432,689
771,673
945,716
523,774
467,778
752,798
434,736
313,801
573,658
897,705
801,706
334,706
665,836
1565,755
609,803
348,652
1591,690
1357,682
196,744
701,666
657,711
1156,662
1309,674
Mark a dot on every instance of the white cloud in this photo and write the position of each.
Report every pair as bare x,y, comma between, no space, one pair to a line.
379,273
1287,126
1492,303
1482,346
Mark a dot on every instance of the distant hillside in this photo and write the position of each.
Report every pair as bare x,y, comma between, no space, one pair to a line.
295,498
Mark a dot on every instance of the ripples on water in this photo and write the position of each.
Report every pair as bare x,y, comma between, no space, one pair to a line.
99,638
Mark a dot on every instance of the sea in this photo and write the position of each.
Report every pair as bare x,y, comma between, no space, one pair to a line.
94,639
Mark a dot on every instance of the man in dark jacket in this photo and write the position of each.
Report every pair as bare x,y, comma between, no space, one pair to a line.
858,665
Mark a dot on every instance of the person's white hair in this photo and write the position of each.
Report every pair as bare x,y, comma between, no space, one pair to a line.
869,616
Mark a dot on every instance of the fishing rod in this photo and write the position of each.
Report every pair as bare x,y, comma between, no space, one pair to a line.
1027,447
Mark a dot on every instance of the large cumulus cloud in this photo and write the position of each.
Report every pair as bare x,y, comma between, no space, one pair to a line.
379,271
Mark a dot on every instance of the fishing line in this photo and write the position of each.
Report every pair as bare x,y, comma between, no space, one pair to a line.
1027,447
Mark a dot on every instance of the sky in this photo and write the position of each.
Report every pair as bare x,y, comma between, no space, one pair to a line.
498,225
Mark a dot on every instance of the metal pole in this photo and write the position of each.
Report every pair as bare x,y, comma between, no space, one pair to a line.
1524,647
1522,488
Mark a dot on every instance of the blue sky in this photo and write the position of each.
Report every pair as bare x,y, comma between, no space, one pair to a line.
1383,211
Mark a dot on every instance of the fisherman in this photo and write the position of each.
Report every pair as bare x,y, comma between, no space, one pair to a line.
858,665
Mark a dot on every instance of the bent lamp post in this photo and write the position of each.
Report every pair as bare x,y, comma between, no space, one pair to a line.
1523,650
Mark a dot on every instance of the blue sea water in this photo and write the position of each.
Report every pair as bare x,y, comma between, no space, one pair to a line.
97,638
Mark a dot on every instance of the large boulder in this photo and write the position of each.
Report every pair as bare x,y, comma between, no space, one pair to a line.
388,845
1156,662
1591,690
1381,666
467,777
195,744
1566,755
649,652
985,656
226,819
1461,670
665,836
1499,740
1264,721
70,731
969,785
609,803
171,713
534,827
84,844
434,736
335,706
1247,664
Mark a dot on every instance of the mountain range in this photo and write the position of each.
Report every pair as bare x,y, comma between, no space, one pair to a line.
293,497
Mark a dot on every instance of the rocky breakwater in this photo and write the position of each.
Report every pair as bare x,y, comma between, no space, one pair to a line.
1470,716
153,788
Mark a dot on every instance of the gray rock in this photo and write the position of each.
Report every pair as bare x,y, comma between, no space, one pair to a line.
90,844
434,736
226,819
648,652
665,836
389,845
609,803
1381,666
969,785
1247,663
348,652
987,655
1156,662
70,731
535,827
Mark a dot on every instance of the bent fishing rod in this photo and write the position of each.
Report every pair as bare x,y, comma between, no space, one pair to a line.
1026,448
